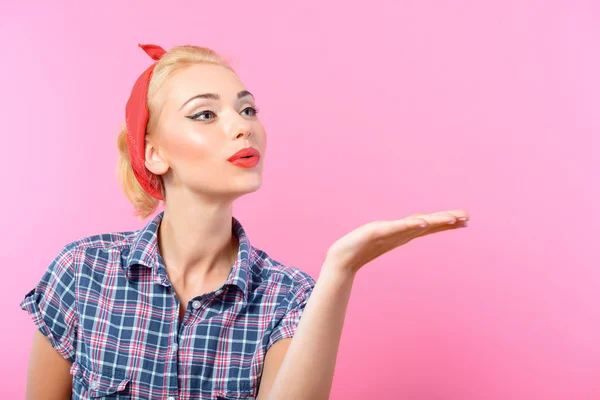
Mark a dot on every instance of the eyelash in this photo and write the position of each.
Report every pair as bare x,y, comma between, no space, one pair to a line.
198,114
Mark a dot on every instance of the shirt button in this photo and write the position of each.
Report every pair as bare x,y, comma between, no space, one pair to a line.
174,348
95,384
196,304
218,292
170,398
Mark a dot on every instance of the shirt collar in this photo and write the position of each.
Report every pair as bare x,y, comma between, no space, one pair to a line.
144,251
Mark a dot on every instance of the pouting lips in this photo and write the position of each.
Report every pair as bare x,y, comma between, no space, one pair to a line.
246,153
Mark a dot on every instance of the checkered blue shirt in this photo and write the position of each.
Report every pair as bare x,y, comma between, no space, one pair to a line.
105,304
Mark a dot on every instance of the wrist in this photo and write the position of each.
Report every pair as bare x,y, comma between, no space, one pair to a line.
334,270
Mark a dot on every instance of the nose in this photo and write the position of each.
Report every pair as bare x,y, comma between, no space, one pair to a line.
237,126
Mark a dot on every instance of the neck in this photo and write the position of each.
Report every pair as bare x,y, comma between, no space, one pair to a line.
196,241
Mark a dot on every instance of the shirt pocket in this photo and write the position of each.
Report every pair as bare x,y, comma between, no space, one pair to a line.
111,384
235,391
233,396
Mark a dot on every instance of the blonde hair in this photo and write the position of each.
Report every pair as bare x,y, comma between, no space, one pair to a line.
173,60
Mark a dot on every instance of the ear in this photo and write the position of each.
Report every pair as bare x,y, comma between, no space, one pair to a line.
155,161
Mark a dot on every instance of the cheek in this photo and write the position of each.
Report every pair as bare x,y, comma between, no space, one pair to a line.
260,136
193,158
189,146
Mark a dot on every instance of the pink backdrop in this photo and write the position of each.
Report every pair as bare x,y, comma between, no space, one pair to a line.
398,106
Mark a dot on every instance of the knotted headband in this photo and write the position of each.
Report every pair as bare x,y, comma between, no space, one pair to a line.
136,120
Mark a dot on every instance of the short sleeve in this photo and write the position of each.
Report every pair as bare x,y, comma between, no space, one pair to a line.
51,305
286,327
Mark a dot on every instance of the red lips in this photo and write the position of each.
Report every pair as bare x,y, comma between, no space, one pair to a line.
245,158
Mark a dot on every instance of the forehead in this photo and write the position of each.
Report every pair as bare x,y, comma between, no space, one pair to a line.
203,78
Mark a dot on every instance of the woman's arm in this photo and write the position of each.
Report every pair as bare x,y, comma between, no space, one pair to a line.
48,375
307,363
308,360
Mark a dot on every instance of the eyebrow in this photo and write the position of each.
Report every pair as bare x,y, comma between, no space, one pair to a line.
214,96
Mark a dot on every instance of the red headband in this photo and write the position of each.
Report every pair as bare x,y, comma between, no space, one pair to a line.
136,119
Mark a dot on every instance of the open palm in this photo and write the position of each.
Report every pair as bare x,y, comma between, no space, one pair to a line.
376,238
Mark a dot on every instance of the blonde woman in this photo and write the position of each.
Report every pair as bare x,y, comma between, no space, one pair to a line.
186,307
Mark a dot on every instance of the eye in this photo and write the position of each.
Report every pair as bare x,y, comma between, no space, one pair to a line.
250,111
203,115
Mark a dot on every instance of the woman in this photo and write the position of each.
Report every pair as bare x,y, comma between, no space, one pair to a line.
186,307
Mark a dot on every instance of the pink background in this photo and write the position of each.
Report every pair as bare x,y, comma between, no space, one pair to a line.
374,110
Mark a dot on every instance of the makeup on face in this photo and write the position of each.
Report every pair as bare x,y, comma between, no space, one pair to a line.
214,96
242,95
245,158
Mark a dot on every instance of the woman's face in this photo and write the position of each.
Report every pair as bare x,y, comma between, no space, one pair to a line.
207,115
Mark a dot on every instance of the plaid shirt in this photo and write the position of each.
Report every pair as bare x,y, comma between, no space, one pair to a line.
105,304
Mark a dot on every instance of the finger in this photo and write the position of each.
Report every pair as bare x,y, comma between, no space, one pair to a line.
421,224
460,215
389,228
431,220
434,231
419,221
410,235
442,218
443,227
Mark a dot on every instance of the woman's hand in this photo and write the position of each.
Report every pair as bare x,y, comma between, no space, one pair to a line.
366,243
309,363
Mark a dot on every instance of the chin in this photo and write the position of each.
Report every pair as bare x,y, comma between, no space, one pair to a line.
246,185
253,186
